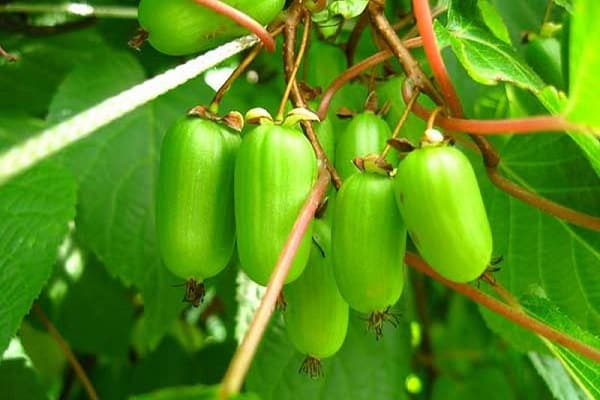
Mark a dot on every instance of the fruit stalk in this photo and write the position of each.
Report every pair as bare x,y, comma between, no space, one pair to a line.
240,363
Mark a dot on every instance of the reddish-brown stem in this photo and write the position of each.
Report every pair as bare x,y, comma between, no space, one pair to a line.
538,123
411,67
240,363
425,25
515,315
352,42
355,71
548,206
242,19
64,346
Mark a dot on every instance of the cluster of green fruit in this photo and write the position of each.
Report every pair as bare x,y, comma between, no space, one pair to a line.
216,189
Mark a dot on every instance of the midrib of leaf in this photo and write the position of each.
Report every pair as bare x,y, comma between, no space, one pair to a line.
571,369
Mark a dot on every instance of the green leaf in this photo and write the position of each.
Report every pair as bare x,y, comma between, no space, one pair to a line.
584,63
16,126
348,8
556,103
19,382
446,388
34,211
363,369
487,59
117,168
493,20
541,251
583,370
566,4
197,392
96,316
43,63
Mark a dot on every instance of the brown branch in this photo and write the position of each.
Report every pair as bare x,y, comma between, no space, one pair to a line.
292,77
411,67
242,19
240,363
214,104
64,346
295,12
425,25
512,314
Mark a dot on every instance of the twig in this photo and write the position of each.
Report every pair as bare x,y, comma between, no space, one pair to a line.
295,12
242,19
425,25
400,123
214,104
411,67
354,38
291,79
64,346
56,138
7,55
512,314
240,363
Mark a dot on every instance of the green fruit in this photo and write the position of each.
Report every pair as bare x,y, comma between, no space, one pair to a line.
194,211
366,134
368,242
180,27
439,199
316,315
274,174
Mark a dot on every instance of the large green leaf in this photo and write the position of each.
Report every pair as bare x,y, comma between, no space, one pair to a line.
34,211
584,63
543,253
117,169
487,58
363,369
584,371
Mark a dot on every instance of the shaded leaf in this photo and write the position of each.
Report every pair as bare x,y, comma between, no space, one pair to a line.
18,381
